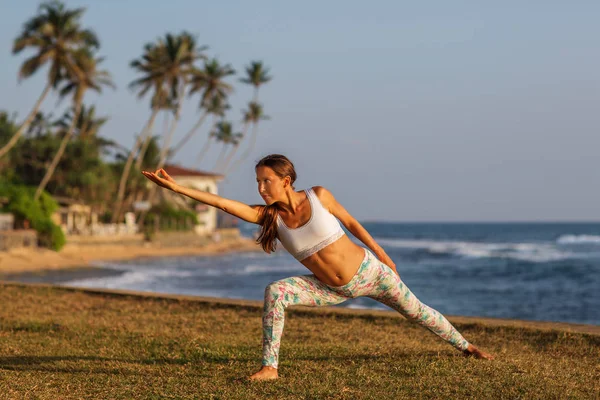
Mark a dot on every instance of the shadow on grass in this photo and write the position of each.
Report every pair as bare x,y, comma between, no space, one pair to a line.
30,326
542,339
47,363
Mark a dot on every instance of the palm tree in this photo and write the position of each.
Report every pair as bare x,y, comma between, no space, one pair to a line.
54,33
40,124
152,79
247,119
217,107
256,75
224,133
209,82
87,124
89,77
165,104
8,125
253,115
179,53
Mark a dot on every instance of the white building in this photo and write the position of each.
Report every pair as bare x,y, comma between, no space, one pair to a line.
201,180
73,216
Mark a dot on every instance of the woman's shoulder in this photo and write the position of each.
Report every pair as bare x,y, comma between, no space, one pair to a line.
320,191
323,194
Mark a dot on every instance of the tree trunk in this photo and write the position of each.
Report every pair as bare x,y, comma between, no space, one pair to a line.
188,135
122,183
220,158
203,151
165,149
206,145
126,170
142,153
235,148
164,153
13,140
140,157
253,140
228,158
83,130
248,150
59,153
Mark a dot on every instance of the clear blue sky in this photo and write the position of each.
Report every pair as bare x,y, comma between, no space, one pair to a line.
406,111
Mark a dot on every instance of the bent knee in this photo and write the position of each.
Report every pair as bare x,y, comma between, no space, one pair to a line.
275,291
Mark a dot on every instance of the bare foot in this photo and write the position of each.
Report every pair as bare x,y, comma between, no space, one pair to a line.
475,352
265,374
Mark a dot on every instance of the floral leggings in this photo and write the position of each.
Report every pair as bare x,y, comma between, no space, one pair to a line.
373,279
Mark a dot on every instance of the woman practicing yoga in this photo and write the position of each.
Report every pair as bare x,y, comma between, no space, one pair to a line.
306,223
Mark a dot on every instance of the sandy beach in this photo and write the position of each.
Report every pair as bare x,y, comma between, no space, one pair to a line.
75,255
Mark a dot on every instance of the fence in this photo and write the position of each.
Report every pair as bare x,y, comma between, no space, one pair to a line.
162,224
15,239
7,222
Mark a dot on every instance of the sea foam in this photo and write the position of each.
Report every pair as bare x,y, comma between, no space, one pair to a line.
532,252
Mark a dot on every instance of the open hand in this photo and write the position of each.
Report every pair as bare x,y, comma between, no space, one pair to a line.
165,181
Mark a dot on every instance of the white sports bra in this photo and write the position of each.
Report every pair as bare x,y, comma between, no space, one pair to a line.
320,231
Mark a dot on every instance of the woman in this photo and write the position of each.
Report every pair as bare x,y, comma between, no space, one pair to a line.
306,223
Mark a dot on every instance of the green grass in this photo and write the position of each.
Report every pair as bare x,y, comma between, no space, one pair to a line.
59,343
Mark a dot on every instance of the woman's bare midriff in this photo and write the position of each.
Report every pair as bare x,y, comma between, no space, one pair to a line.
336,264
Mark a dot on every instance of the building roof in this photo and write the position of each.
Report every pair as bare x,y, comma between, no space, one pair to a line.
176,170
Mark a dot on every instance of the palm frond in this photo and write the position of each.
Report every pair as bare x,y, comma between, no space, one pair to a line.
256,74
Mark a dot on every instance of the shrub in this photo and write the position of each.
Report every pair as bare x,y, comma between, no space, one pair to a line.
167,214
22,205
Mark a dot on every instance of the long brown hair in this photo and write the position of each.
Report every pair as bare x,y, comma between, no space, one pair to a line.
282,167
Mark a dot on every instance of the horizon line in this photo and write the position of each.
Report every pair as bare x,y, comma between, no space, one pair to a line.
484,222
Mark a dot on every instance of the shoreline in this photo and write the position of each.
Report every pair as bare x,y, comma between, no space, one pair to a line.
568,327
80,258
76,255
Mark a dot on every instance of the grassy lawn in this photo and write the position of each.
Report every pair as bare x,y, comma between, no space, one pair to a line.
59,343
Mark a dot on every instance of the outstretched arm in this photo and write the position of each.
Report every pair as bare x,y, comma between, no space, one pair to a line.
233,207
352,225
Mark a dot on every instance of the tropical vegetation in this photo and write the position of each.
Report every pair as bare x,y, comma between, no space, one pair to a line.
56,152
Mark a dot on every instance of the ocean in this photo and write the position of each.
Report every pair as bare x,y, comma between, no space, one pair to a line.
528,271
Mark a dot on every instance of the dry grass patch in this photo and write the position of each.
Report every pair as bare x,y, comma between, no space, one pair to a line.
60,343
